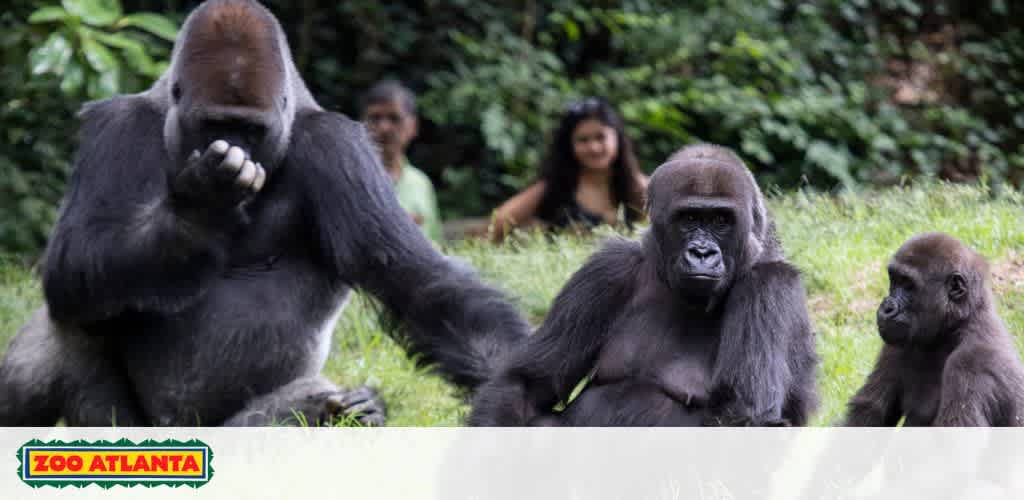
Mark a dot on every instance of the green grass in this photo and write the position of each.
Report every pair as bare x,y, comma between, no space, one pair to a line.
841,244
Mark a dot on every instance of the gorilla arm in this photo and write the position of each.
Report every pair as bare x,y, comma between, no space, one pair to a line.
549,365
121,241
877,403
766,353
970,390
446,314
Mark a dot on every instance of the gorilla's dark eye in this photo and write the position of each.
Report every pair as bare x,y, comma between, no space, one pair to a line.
900,281
176,92
718,220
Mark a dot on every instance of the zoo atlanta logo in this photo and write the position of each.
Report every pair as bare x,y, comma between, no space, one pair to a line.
106,464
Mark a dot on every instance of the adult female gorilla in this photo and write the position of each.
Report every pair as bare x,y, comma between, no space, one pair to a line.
702,322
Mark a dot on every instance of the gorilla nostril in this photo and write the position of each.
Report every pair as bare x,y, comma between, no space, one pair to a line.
701,253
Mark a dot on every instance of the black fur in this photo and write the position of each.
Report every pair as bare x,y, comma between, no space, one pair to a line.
663,346
948,359
175,297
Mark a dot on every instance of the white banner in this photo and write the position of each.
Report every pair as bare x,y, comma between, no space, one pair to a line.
583,463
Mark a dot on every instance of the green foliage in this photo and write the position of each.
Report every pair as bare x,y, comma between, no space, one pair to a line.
55,57
34,145
825,93
95,48
796,89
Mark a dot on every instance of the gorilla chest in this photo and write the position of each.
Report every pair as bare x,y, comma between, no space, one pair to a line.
275,228
678,361
921,397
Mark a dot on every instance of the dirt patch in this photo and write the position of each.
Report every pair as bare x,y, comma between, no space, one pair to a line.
864,301
820,306
1008,273
865,305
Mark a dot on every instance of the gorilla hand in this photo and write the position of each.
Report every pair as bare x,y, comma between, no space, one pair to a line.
361,404
221,177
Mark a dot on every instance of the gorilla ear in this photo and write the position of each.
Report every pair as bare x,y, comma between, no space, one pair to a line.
957,286
754,247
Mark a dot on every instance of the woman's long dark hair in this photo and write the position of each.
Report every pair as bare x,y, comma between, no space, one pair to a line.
561,169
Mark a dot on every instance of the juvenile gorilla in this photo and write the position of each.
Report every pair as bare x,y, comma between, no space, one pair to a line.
703,322
211,233
948,360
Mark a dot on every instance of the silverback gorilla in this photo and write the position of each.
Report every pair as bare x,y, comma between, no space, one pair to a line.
701,323
210,235
948,359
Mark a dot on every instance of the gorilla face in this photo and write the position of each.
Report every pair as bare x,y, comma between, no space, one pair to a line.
230,83
258,132
927,297
699,246
898,312
702,217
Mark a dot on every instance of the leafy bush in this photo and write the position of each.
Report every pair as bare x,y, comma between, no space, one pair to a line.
800,90
94,42
83,49
34,144
831,94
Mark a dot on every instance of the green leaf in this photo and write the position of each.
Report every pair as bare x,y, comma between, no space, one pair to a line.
74,77
100,58
104,85
95,12
134,52
139,61
833,161
51,56
115,39
572,30
47,14
110,82
152,23
161,67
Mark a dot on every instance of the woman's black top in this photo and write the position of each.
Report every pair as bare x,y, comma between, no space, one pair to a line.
571,214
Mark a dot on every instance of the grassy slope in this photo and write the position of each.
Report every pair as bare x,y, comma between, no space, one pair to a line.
841,244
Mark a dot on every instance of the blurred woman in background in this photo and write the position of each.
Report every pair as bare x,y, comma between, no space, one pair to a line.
590,176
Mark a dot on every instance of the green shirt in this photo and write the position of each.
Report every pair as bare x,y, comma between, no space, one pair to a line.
416,195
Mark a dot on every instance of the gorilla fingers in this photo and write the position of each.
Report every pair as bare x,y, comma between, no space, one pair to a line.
222,176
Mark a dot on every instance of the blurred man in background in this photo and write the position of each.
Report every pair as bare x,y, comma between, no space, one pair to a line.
389,111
